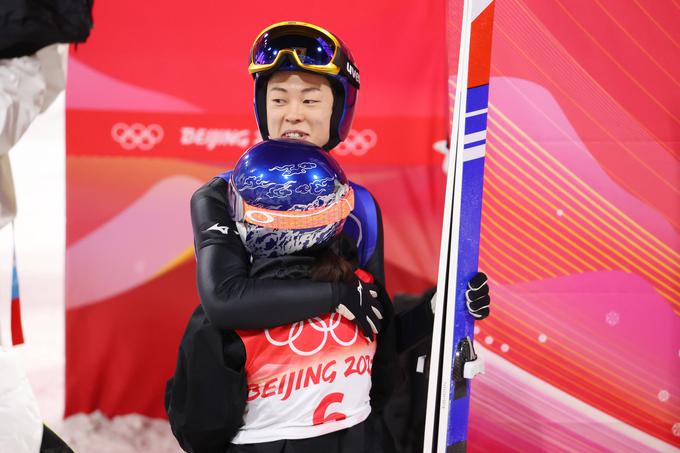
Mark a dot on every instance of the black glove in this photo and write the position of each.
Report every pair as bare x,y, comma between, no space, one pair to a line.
359,302
477,296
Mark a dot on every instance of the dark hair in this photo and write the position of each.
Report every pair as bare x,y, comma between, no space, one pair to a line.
330,267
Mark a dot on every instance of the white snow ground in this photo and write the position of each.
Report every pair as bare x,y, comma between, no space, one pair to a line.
38,164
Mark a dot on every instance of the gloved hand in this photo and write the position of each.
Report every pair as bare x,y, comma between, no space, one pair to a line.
477,296
359,302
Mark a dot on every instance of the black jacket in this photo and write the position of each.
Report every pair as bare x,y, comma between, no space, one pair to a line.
206,397
231,298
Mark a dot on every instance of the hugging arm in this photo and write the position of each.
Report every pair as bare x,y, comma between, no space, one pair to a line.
231,299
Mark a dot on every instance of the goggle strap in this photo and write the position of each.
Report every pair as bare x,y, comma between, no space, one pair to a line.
300,219
347,68
235,201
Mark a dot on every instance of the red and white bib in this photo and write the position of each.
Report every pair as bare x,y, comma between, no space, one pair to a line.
305,379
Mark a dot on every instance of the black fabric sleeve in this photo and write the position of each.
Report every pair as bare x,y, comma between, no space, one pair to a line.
206,398
230,297
415,325
385,365
376,262
385,359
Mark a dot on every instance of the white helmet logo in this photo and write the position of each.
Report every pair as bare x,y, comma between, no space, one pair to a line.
352,71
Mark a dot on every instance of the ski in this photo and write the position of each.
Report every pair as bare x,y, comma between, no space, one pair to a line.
453,361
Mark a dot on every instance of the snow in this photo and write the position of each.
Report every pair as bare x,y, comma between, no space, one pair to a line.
128,433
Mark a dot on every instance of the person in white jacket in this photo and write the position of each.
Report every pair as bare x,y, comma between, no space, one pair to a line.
28,85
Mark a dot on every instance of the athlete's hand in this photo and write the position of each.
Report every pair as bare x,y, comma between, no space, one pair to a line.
359,303
477,296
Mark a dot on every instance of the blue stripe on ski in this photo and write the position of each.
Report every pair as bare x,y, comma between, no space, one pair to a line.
468,262
475,123
477,98
15,283
473,144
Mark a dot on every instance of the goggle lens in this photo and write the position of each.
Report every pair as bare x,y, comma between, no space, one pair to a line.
311,46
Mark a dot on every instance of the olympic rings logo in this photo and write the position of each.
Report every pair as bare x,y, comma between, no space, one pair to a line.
137,135
318,324
357,143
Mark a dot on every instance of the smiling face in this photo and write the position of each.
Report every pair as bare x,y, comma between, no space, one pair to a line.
299,106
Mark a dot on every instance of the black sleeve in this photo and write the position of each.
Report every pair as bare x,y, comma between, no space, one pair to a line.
206,398
414,325
384,370
385,358
230,297
376,262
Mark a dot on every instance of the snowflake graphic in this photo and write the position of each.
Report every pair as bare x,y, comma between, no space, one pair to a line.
612,318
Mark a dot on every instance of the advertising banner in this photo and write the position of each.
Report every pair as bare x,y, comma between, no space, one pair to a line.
581,217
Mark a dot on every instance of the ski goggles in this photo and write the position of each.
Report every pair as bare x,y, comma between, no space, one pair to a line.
312,48
290,220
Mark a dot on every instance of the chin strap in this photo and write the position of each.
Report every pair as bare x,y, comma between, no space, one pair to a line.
15,316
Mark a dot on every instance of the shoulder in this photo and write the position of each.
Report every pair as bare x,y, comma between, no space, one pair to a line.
215,189
364,226
366,207
210,213
362,194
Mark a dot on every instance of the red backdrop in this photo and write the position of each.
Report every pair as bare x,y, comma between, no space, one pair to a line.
580,230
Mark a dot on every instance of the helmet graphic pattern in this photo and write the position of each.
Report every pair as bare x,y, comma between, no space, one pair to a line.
290,176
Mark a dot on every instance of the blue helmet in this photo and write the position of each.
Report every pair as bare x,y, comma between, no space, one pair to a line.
287,196
300,46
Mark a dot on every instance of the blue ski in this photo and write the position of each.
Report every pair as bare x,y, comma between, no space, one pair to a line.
453,361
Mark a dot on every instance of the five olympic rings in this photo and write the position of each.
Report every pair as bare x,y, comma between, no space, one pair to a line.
137,135
317,324
357,143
